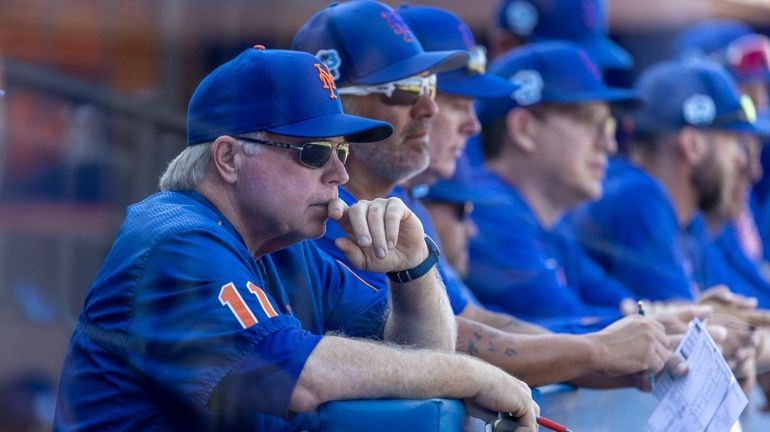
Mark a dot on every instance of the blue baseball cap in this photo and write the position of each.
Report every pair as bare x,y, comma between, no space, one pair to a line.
463,187
733,44
696,93
367,42
549,72
282,92
437,30
583,22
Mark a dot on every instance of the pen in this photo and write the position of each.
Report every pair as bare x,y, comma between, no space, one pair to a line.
640,310
552,425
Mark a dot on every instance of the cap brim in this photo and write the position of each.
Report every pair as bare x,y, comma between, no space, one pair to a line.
606,53
451,191
475,86
353,128
430,62
760,128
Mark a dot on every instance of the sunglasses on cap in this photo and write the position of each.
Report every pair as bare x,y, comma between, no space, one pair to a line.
746,113
749,55
402,92
477,64
312,154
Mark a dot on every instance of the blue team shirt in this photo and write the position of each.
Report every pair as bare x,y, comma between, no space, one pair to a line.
183,329
457,299
726,263
540,275
633,233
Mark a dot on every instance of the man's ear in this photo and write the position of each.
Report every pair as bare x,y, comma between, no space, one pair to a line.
520,126
691,145
225,155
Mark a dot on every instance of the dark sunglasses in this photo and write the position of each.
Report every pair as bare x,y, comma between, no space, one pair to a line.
463,211
312,154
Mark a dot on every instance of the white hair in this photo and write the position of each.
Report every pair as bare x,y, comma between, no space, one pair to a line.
189,167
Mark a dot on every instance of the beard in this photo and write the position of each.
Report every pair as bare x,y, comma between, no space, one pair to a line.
709,181
394,160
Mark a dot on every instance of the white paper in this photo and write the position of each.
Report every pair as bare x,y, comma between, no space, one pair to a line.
707,399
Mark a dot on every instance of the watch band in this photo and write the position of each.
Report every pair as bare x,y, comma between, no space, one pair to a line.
421,269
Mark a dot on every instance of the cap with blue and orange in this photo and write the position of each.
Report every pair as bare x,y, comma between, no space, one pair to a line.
700,94
549,72
733,44
283,92
437,30
366,42
583,22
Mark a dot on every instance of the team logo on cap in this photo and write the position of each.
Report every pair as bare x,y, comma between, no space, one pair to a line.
699,109
398,25
326,79
521,17
530,89
331,58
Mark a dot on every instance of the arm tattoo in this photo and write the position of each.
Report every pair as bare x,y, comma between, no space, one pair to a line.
472,350
491,348
510,352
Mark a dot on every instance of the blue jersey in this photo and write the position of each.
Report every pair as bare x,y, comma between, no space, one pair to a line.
726,263
183,329
457,300
633,233
540,275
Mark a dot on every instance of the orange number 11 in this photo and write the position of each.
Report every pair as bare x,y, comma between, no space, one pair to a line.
230,296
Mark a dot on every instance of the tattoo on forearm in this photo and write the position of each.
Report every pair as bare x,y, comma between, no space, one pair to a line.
491,348
472,350
510,352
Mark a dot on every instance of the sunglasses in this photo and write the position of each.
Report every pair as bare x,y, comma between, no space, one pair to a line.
403,92
477,64
463,211
312,154
746,113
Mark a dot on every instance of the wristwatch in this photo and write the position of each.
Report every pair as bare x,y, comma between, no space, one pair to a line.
405,276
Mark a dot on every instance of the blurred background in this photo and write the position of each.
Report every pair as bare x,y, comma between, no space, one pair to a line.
96,95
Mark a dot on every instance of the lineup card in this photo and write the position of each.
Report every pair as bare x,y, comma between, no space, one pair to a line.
707,399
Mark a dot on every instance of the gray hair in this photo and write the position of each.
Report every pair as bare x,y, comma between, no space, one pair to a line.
189,167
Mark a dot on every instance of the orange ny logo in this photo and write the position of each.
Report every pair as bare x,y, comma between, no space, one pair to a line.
326,79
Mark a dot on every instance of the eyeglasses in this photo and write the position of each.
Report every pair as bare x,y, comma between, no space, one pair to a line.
749,55
403,92
312,154
464,211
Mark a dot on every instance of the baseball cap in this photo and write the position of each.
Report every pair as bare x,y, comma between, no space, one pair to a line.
733,44
367,42
583,22
549,72
463,187
438,29
696,93
283,92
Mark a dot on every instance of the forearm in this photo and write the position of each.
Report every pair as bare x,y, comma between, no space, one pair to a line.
535,359
342,368
501,321
420,314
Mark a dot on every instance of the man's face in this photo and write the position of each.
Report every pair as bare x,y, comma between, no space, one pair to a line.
405,153
723,177
573,144
455,229
274,189
455,122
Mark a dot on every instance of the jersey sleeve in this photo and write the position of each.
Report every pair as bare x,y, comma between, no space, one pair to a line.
204,328
350,304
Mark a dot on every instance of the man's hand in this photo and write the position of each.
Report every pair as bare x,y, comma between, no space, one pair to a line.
676,319
503,393
632,344
383,235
